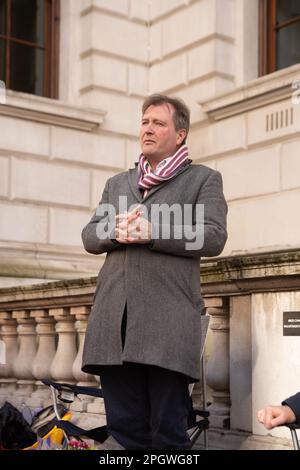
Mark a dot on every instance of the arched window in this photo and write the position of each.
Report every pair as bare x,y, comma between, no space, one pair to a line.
29,46
279,34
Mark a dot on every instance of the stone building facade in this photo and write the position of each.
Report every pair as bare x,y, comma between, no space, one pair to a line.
55,156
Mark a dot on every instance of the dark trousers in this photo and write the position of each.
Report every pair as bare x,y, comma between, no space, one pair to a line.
146,406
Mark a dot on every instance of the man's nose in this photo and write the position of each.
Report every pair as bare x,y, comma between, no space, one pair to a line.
149,129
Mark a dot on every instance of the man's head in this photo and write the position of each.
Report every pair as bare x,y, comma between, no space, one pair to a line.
164,127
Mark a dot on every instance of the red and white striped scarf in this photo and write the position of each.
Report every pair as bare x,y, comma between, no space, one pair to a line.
148,178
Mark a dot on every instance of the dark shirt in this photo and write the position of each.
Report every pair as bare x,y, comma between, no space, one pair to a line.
294,403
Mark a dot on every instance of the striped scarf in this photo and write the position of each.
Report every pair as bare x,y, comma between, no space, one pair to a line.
147,178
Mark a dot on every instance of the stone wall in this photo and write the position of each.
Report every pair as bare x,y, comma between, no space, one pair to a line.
55,156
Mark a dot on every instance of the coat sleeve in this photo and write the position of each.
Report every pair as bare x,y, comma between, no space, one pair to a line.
96,241
294,403
212,230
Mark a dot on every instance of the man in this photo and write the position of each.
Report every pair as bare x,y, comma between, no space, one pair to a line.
143,336
288,412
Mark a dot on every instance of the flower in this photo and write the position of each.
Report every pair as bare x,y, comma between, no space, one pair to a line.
77,444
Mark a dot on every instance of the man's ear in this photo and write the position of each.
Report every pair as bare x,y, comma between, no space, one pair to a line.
181,135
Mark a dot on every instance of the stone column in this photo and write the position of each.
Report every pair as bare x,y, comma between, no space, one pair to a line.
9,338
81,314
217,371
41,365
61,366
22,366
197,395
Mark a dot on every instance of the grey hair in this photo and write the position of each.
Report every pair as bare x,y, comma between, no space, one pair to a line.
181,116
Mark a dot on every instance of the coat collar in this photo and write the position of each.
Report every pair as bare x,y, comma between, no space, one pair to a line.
133,178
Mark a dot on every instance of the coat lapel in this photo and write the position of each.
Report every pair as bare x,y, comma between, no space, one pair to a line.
133,177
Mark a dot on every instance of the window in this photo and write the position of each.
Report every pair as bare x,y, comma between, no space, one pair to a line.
279,34
29,46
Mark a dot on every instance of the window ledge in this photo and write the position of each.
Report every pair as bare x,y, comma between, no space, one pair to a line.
48,111
260,92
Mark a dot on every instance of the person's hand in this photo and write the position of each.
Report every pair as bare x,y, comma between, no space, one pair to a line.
272,416
122,224
131,227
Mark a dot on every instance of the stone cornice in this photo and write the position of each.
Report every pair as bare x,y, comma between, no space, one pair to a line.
263,272
51,294
257,93
48,111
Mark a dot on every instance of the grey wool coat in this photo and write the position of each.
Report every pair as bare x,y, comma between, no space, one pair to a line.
159,281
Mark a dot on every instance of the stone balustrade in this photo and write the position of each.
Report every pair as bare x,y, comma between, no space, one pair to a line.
42,329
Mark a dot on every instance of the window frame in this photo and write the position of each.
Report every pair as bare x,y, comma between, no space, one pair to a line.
51,46
268,29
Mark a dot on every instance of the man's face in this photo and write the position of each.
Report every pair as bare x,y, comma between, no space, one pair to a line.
158,137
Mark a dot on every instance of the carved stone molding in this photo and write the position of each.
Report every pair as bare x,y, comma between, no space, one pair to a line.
48,111
257,93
